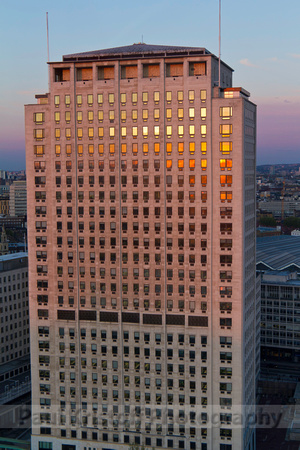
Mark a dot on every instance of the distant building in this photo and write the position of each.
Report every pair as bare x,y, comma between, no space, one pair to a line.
14,336
3,243
4,204
295,232
18,198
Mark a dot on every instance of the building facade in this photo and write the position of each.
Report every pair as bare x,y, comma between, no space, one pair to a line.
141,201
18,198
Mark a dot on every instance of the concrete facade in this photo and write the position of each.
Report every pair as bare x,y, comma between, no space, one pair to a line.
141,201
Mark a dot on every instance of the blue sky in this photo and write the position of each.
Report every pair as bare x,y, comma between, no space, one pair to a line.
260,40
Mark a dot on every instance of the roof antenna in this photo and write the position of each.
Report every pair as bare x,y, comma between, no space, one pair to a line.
219,43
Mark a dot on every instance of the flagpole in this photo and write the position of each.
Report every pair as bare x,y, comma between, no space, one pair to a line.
219,43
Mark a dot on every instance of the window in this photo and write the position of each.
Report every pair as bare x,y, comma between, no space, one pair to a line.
226,112
225,147
197,69
226,196
39,118
225,130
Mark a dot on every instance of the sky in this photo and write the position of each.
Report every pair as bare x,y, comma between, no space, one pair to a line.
260,41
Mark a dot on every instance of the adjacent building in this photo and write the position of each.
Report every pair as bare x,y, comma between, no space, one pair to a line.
18,198
141,202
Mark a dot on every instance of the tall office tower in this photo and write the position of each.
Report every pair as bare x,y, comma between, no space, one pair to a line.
17,198
141,199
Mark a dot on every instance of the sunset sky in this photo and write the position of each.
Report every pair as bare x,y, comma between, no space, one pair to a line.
260,41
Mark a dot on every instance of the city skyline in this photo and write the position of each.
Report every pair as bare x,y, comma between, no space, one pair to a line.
270,74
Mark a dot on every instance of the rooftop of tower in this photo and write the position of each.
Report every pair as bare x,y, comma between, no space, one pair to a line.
139,50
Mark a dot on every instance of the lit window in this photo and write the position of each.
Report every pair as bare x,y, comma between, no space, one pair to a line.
79,133
156,148
192,164
180,113
111,99
123,99
180,164
203,148
169,96
123,132
192,130
123,149
145,114
90,99
156,114
191,113
192,147
169,148
203,113
134,115
39,150
39,118
225,164
111,132
203,130
68,133
156,131
57,116
203,95
180,130
57,150
145,149
80,149
100,116
156,97
180,96
134,132
225,147
101,132
79,116
145,132
203,164
90,116
79,100
100,99
67,100
169,164
191,96
180,148
68,116
226,195
91,149
134,149
56,101
39,134
226,130
169,114
134,98
101,149
68,149
111,149
145,97
226,112
203,180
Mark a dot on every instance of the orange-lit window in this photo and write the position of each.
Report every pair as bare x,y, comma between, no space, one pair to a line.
134,149
180,113
226,179
91,132
101,149
68,149
91,149
203,148
80,149
192,196
101,132
225,147
123,149
169,163
156,148
180,148
169,114
90,116
203,196
39,150
226,196
79,133
169,148
226,130
192,164
203,164
192,180
192,147
203,180
180,164
145,115
225,164
145,149
111,149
